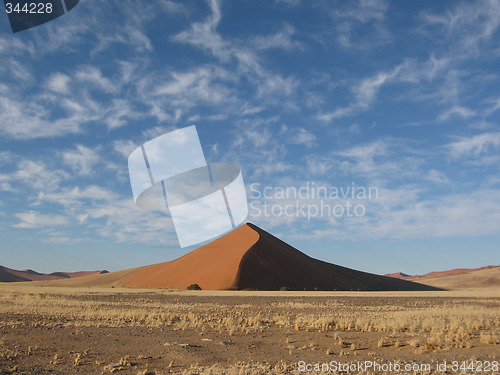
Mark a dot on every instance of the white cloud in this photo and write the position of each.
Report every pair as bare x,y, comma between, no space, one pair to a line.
13,46
67,102
438,177
173,7
38,175
77,197
59,83
156,131
23,121
6,157
31,118
476,213
459,111
383,162
282,40
368,88
291,3
124,147
36,220
298,136
90,75
5,184
365,93
93,209
367,151
319,165
474,146
82,159
337,113
364,12
204,36
124,222
270,85
468,25
252,110
16,69
131,36
204,84
420,75
119,112
403,213
54,238
495,106
256,132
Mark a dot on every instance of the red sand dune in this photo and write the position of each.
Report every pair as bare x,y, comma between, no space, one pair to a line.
460,278
456,271
250,258
398,275
11,275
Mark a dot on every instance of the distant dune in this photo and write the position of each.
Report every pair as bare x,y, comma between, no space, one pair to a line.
459,278
11,275
398,275
246,258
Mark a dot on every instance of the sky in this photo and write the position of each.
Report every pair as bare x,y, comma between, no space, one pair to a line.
397,102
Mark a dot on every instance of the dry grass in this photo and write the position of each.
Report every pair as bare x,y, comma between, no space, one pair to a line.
448,324
411,324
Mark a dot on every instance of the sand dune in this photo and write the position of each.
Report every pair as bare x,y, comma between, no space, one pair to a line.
458,278
456,271
246,258
12,275
398,275
462,278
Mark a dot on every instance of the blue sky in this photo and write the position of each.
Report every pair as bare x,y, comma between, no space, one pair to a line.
400,96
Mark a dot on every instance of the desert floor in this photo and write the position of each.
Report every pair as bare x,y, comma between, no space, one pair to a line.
49,330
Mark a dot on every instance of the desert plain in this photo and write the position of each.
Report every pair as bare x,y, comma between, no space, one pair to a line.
91,330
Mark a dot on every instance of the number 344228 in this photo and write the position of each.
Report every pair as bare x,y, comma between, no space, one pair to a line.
33,8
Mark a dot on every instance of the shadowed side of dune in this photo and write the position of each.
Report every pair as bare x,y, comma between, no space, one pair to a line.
272,264
7,276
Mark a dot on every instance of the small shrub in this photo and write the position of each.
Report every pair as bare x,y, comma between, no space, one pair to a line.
194,287
381,343
285,289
